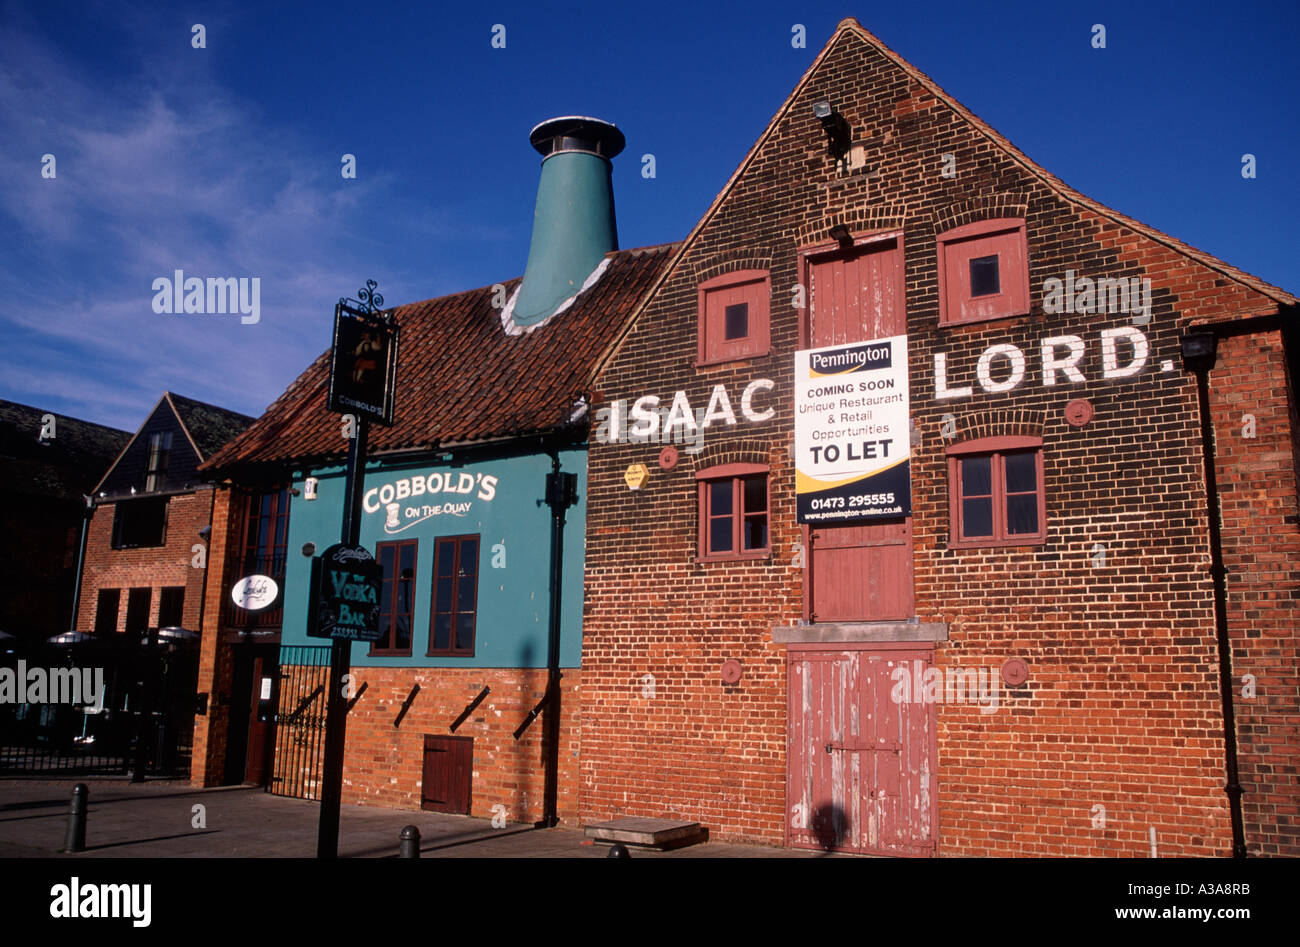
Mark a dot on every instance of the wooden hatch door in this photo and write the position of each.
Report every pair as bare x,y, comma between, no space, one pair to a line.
448,773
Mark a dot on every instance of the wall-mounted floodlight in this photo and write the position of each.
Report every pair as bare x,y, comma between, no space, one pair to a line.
835,125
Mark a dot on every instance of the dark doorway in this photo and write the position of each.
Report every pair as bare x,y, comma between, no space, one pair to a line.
253,697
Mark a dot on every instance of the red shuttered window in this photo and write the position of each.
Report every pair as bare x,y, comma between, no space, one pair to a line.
983,271
733,316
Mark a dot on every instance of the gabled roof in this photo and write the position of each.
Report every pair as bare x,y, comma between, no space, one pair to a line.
850,26
67,466
206,428
460,377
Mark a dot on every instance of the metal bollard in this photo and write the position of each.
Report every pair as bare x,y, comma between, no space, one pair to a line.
408,845
76,838
618,850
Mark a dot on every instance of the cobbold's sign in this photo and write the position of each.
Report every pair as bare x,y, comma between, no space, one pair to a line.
441,493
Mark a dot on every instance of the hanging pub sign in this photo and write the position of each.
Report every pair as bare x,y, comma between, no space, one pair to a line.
851,438
345,588
363,362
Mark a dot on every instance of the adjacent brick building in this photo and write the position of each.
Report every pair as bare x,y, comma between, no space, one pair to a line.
49,463
1053,575
146,557
492,394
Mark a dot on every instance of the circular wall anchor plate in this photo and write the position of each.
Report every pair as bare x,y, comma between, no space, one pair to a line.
1015,672
1079,412
668,458
730,671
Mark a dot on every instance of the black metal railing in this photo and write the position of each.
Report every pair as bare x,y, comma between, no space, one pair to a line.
146,695
300,722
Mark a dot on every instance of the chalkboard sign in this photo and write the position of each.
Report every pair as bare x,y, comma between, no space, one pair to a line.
345,589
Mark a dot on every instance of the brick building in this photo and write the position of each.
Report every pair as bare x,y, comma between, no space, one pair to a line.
1032,643
491,401
49,463
146,556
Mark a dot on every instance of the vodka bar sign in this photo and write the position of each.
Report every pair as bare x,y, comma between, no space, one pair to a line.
346,582
851,441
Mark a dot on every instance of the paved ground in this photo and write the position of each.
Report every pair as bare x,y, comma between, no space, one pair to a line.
155,820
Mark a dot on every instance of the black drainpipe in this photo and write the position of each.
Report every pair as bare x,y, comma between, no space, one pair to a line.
1199,354
561,493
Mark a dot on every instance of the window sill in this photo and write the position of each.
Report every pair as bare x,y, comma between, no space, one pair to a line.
449,654
755,556
730,359
977,320
997,543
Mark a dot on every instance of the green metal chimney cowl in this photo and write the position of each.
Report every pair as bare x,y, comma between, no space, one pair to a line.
573,224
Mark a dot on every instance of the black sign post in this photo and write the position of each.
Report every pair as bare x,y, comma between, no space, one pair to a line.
363,368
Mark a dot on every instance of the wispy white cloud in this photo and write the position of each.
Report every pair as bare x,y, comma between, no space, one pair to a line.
158,172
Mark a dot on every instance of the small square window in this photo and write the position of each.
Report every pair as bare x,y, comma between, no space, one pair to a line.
984,276
983,271
733,316
139,522
737,320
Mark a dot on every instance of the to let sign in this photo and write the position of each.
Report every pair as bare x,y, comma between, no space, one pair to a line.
345,592
851,433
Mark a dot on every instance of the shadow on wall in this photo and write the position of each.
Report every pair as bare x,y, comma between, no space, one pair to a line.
523,759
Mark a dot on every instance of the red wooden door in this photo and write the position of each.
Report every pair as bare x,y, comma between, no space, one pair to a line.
823,786
861,772
448,773
861,571
263,700
858,296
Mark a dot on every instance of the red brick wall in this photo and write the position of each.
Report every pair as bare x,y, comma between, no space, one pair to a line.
215,658
383,763
1261,546
1122,706
154,566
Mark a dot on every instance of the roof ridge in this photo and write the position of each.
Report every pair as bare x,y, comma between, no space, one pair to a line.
1054,183
850,25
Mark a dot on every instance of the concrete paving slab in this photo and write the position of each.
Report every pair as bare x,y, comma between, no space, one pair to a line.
159,820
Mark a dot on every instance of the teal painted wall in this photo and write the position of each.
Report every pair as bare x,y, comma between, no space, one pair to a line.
513,599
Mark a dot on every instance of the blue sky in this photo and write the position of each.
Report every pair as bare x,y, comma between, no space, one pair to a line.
225,161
